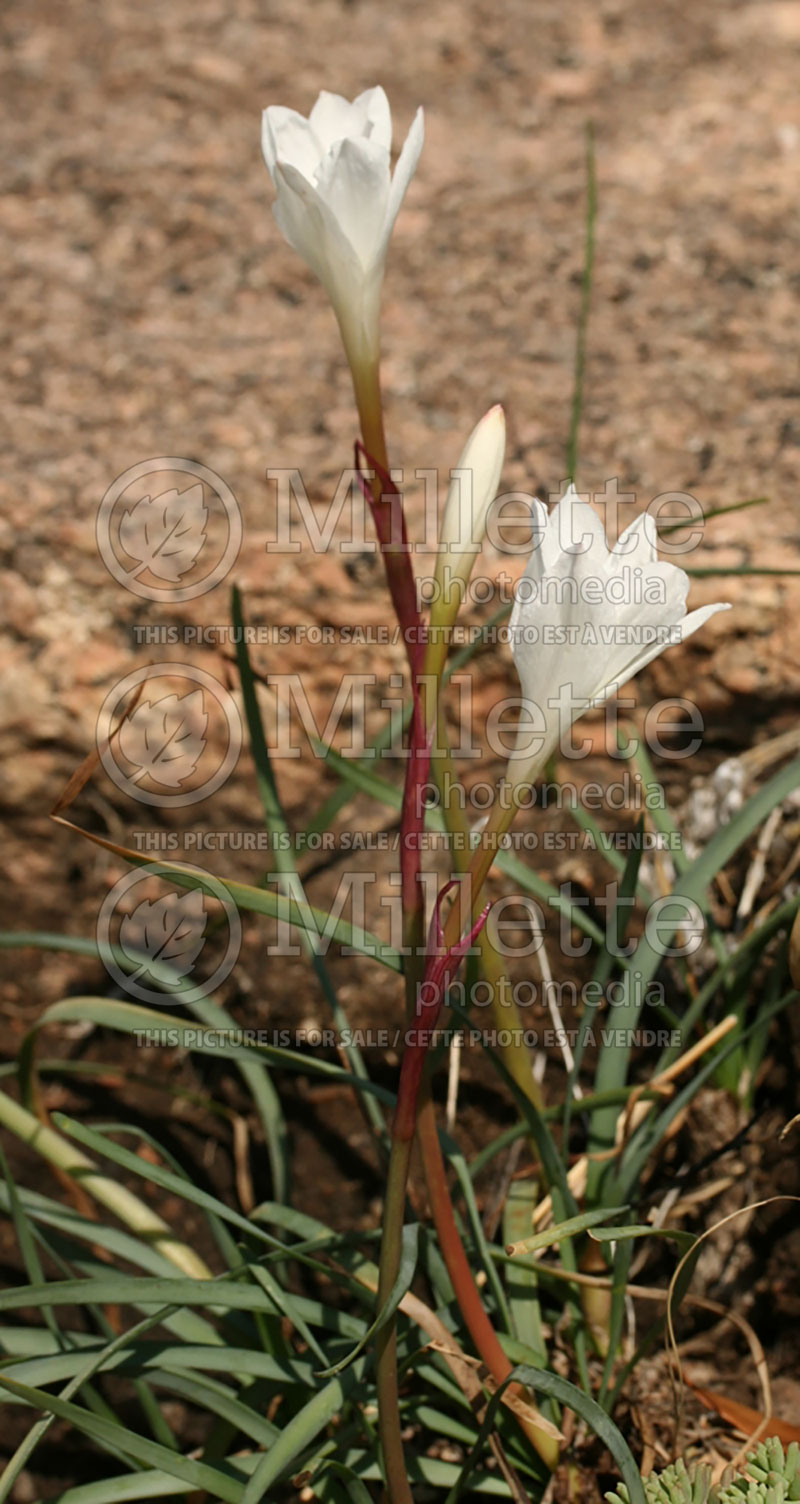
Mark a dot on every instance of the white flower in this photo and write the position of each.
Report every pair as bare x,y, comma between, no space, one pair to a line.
473,487
338,201
586,619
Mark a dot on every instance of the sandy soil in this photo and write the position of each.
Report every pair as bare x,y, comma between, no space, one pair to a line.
154,310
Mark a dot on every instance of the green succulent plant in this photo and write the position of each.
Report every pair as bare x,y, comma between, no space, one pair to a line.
771,1476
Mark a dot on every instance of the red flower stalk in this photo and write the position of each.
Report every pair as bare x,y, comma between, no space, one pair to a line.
386,504
440,969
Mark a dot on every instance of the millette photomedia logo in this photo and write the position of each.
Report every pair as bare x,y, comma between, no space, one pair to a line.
169,735
169,529
152,942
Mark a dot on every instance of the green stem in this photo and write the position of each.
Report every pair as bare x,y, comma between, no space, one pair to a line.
586,299
482,860
386,1341
505,1011
367,388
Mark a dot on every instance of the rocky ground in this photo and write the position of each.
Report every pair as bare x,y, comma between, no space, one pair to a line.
154,310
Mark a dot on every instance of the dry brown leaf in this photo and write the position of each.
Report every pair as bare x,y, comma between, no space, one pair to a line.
745,1420
759,1356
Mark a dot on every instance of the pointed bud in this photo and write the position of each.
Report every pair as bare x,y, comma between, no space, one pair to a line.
472,490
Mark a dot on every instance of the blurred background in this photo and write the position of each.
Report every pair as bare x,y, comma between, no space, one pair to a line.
153,309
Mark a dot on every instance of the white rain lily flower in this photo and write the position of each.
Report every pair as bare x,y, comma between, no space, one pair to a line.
338,200
586,618
473,488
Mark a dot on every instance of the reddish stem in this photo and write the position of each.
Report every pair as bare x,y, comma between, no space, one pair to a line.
386,504
441,966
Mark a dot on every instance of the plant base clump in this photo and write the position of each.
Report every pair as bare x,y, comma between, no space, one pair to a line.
771,1476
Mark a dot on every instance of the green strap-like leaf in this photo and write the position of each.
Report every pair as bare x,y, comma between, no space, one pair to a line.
221,1485
409,1249
542,1381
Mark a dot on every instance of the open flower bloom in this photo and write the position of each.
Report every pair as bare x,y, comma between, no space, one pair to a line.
338,200
473,488
586,618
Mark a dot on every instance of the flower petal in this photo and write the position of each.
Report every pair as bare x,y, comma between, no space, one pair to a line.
539,522
288,138
586,620
683,630
639,541
377,116
353,181
576,528
404,171
333,119
368,117
311,228
336,202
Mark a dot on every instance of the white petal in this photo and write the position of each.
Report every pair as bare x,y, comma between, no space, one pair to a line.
312,230
639,542
700,616
404,171
586,620
288,137
377,116
570,564
576,527
353,181
368,117
539,523
614,657
336,204
683,629
540,685
686,629
573,540
333,119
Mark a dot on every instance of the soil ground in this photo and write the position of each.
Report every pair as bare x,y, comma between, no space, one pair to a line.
154,310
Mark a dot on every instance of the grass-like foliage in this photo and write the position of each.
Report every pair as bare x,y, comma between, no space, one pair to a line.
273,1341
435,1356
